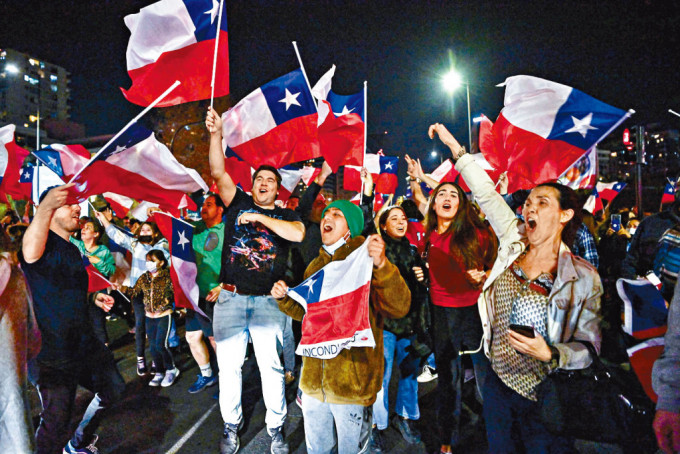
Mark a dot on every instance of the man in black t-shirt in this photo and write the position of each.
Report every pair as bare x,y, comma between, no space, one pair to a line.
71,355
257,236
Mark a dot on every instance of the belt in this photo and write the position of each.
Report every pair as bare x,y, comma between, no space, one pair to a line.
234,290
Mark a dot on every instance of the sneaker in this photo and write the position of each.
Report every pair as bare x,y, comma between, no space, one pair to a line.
377,441
428,374
279,445
170,377
90,449
141,368
407,429
288,377
156,380
201,383
153,369
229,443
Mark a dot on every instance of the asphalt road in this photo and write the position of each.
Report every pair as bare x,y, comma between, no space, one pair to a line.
170,420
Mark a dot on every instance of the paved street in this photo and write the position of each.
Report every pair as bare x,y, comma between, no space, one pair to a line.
170,420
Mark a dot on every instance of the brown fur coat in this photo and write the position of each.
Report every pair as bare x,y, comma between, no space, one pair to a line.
355,375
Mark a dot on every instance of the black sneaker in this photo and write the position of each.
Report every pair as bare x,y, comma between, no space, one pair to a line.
141,368
230,442
89,449
377,441
408,430
279,445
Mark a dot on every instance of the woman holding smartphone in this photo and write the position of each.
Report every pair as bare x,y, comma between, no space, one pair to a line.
538,283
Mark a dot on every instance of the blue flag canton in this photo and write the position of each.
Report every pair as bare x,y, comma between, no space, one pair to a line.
288,97
131,137
50,157
346,104
182,238
619,186
670,188
205,15
389,164
26,175
310,289
583,120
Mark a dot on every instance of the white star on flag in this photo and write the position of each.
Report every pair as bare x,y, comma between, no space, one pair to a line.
290,99
388,165
582,126
52,160
345,111
309,285
182,239
213,11
119,148
27,174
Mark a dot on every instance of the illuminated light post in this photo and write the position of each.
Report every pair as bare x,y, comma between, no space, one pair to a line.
451,82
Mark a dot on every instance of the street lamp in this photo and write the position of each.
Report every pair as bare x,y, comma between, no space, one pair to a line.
452,81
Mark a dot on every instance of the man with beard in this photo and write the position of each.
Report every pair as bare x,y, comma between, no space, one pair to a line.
71,355
257,237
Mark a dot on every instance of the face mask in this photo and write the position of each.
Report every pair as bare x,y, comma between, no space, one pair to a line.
151,267
335,246
632,230
145,238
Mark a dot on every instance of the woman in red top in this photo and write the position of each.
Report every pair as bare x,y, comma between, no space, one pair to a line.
459,248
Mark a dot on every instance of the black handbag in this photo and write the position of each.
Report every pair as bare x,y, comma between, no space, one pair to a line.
595,404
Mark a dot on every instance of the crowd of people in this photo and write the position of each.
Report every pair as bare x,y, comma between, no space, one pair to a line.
462,284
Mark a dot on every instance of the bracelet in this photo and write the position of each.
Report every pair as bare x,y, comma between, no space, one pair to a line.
410,179
461,152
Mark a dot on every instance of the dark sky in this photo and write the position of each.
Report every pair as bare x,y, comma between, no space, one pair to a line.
623,53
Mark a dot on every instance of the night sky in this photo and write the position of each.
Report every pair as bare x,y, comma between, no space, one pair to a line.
623,53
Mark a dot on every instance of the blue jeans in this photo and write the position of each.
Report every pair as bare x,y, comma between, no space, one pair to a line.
288,346
335,428
513,424
407,393
158,331
235,318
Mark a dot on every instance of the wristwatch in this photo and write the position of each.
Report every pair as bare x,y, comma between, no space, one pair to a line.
461,152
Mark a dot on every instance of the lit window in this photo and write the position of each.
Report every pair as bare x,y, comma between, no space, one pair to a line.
53,78
31,80
53,88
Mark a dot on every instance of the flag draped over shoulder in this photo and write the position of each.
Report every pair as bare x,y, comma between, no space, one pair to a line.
383,169
275,124
175,40
12,157
183,269
137,165
544,128
336,302
341,124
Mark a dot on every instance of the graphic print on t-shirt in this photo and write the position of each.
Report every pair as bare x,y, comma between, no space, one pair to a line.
254,248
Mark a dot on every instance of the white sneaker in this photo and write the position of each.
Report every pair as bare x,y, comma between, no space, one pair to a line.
170,377
156,380
428,374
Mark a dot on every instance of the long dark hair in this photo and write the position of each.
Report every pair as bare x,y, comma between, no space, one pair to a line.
568,200
463,229
155,236
383,218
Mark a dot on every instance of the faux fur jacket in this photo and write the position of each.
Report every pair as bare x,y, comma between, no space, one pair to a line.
355,375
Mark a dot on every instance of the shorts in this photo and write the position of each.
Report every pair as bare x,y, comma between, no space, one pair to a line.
197,322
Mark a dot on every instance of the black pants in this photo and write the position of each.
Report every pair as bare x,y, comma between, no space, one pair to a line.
454,330
158,330
140,324
96,372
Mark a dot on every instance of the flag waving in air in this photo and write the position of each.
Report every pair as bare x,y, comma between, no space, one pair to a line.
64,160
383,169
275,124
594,202
182,259
341,124
336,302
175,40
544,128
669,193
583,174
608,191
137,165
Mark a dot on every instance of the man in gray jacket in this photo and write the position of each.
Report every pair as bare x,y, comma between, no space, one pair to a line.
666,383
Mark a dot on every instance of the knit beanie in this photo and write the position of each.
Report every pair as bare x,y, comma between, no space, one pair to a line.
353,215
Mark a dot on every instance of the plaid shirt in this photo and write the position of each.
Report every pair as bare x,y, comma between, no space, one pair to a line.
584,246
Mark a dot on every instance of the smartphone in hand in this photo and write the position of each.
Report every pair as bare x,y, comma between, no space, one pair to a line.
524,330
616,222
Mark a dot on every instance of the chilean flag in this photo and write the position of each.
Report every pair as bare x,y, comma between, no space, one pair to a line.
645,311
608,191
290,177
183,269
383,169
341,124
544,128
123,258
446,172
594,202
336,302
175,40
64,160
95,280
120,204
12,157
583,174
668,193
642,357
137,165
275,124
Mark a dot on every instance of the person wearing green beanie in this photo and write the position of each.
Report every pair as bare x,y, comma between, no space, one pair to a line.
353,215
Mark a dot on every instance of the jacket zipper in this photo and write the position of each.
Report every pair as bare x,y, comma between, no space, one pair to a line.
323,364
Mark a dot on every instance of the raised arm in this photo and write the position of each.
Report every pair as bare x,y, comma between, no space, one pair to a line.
289,230
35,237
225,185
304,208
